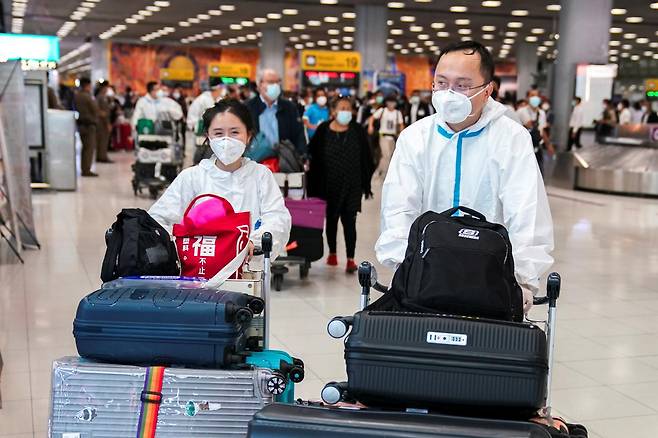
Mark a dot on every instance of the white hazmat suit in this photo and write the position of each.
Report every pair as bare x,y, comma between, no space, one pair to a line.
251,188
163,108
202,102
489,167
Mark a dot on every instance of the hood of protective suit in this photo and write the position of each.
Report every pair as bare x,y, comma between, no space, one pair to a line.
489,166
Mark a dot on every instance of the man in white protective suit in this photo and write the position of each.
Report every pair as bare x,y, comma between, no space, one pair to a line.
156,105
200,104
468,154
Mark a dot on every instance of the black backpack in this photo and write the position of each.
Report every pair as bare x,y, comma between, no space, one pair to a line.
138,245
460,265
289,159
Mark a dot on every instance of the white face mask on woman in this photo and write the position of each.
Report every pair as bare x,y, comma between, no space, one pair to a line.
228,150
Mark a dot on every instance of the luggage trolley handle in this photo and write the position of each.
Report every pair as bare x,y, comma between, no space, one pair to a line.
266,248
553,285
340,325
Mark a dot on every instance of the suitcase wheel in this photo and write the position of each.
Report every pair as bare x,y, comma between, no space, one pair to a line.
339,326
256,305
243,316
276,384
277,280
332,393
296,374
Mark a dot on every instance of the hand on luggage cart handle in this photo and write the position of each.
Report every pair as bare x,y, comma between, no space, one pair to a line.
266,244
553,284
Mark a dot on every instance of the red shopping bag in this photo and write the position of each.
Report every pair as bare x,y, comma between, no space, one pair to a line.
272,164
212,240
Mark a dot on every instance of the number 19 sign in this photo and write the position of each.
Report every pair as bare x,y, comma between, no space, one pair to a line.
327,60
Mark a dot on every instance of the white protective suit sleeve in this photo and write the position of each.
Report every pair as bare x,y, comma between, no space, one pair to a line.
170,207
195,112
275,217
171,108
138,112
402,200
526,212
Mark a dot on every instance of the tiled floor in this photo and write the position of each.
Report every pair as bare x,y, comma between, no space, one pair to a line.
606,374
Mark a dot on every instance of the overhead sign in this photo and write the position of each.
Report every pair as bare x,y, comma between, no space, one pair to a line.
651,87
38,48
229,69
176,74
326,60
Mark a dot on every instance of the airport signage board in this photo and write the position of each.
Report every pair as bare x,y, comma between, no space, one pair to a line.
327,60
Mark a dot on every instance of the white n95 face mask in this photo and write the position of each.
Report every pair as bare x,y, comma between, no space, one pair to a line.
228,150
453,107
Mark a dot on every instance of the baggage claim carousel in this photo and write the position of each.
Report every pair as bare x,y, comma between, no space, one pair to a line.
624,163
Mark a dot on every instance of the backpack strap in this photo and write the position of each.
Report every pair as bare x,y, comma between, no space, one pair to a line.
470,211
113,240
228,270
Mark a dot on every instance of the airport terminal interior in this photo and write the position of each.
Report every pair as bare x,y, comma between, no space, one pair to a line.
103,107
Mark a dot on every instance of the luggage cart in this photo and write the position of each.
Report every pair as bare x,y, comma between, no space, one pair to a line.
159,158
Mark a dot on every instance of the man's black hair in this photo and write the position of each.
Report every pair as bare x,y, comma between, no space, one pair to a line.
471,48
84,82
150,86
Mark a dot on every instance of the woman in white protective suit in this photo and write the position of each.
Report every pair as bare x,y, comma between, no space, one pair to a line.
469,153
247,185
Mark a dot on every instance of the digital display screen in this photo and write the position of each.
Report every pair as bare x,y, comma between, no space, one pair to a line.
330,78
29,47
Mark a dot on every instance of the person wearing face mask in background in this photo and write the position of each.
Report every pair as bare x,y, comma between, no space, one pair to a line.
203,101
533,117
418,109
391,124
468,154
103,127
340,171
625,115
156,105
576,123
316,113
247,185
277,118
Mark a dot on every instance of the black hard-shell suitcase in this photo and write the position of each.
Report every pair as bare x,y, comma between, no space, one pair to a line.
279,420
188,327
444,362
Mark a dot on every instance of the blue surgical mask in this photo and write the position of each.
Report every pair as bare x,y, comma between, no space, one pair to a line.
344,117
534,101
273,91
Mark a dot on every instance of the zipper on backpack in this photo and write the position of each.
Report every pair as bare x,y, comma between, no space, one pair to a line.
422,242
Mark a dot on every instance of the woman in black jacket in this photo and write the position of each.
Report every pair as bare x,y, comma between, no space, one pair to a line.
341,168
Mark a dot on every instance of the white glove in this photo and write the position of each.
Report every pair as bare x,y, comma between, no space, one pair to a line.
528,297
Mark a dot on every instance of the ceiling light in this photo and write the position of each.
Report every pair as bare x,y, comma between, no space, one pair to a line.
618,11
349,15
515,24
458,9
615,43
397,46
274,16
634,19
654,5
328,2
285,29
310,44
466,38
396,32
203,17
642,40
443,34
85,10
549,43
625,55
511,33
348,39
153,8
207,34
654,44
216,32
613,58
418,50
423,37
508,41
491,3
542,49
630,36
488,28
162,4
331,19
627,46
635,58
236,27
322,43
389,22
290,12
464,31
647,53
145,13
462,22
299,46
227,8
407,18
305,36
506,46
487,36
438,25
294,39
252,37
413,45
347,46
553,8
655,56
537,31
242,39
520,12
531,39
616,30
314,23
299,26
184,24
133,21
334,41
429,43
613,51
194,20
349,29
333,32
416,28
390,41
260,20
85,4
404,51
247,23
395,5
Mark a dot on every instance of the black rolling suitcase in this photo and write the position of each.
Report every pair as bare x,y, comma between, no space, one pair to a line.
446,363
279,420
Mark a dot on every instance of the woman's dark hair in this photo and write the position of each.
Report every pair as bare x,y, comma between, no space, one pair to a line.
471,48
317,90
233,106
391,98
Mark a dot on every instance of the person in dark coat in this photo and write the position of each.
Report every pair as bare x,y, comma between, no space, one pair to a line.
87,121
275,116
341,169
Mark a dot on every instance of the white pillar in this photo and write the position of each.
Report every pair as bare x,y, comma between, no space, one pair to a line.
371,35
526,68
272,50
100,58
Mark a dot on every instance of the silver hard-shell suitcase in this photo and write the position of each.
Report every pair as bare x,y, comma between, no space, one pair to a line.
94,400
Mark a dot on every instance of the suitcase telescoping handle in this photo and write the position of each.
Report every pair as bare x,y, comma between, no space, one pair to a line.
553,285
266,245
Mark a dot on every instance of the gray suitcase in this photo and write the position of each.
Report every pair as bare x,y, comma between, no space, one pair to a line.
93,400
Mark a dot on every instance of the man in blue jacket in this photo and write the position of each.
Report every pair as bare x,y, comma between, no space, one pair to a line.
277,118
